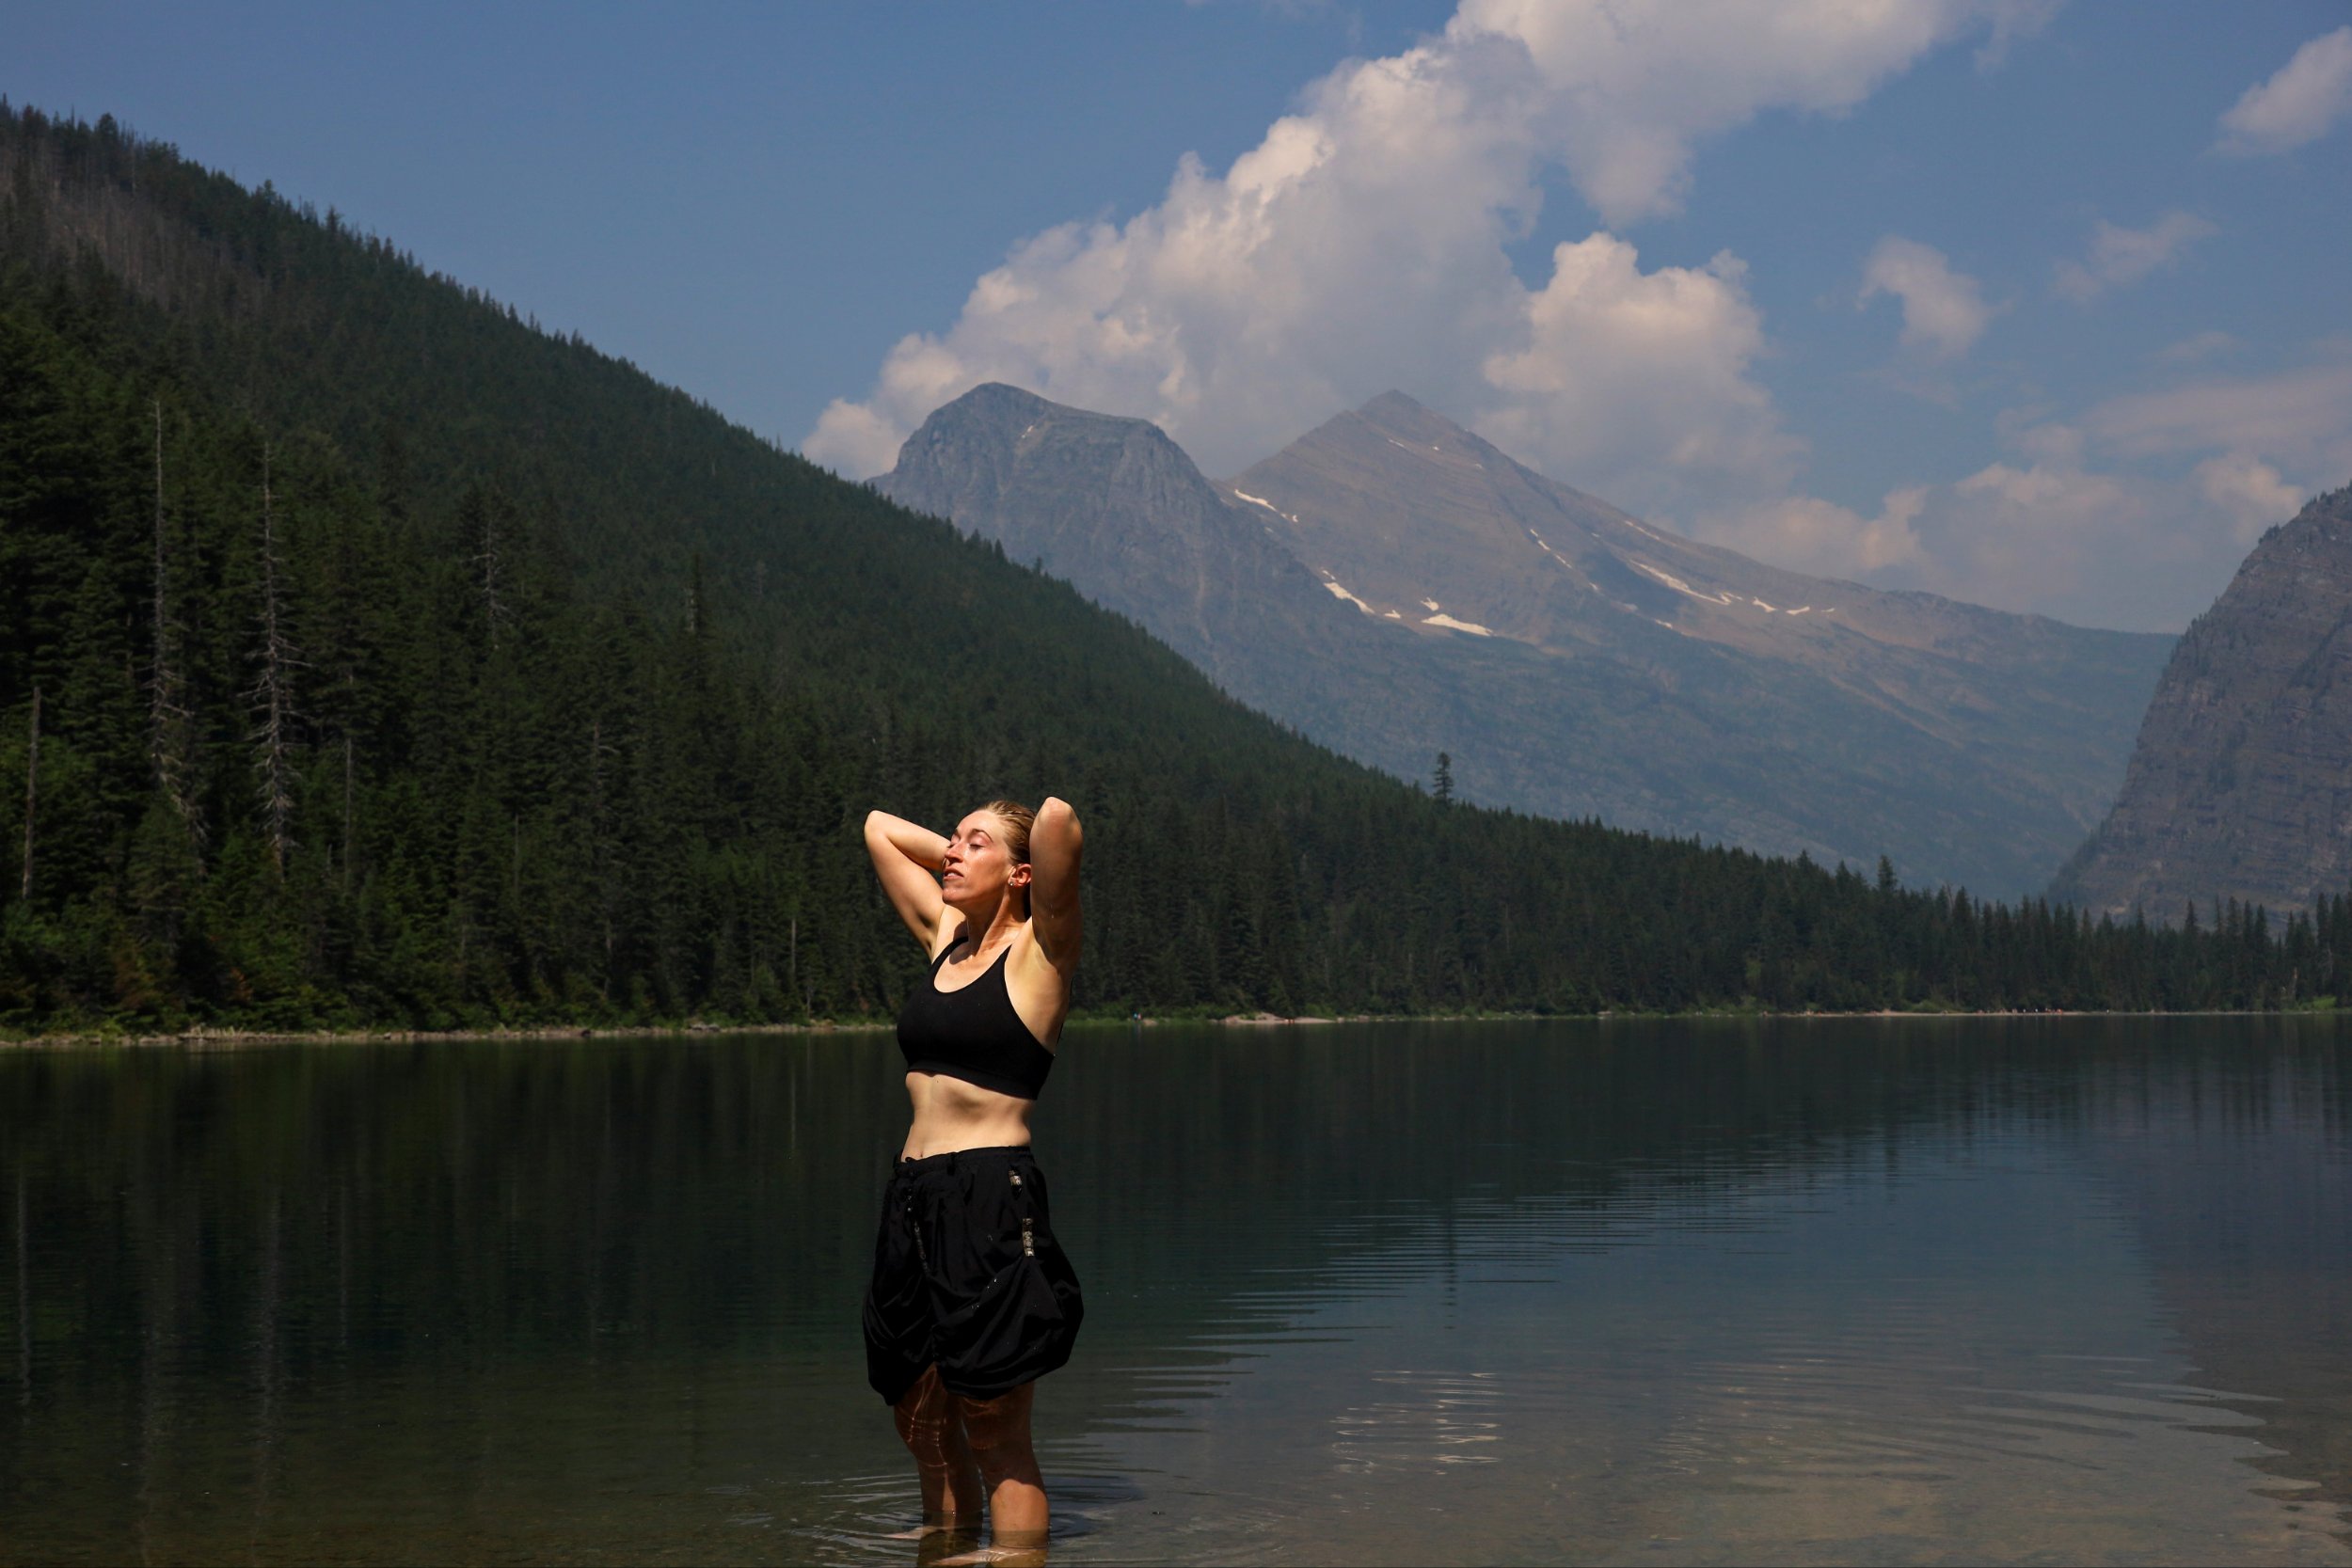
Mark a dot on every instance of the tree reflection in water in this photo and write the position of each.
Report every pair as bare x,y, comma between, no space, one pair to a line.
492,1298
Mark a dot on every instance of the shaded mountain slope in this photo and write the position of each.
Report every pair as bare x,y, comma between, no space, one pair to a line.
2241,784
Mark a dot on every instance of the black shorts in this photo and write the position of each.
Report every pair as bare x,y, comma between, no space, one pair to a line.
968,1277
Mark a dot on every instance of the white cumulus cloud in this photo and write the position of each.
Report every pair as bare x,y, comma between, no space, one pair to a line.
2247,491
1361,245
2296,106
2136,511
1806,533
1674,393
1944,311
1627,91
2131,512
2048,537
2120,256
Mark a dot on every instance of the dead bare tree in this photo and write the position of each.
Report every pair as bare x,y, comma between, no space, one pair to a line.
32,793
599,849
170,726
494,610
272,695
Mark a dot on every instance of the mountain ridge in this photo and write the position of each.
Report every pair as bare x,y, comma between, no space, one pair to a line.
1572,660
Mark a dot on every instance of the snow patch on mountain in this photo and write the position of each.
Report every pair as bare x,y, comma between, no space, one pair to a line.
1452,625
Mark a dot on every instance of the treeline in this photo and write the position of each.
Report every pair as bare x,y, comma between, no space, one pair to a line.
373,658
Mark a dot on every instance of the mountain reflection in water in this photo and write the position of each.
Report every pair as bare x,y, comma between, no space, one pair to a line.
1856,1291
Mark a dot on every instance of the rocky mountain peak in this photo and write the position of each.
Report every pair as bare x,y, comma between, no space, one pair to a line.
1393,413
1109,505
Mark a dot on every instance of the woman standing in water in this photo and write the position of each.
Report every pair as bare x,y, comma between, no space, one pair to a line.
972,1299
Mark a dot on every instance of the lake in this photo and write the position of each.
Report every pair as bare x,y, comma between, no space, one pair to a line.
1873,1290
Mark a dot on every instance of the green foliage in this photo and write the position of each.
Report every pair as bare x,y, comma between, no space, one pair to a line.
589,691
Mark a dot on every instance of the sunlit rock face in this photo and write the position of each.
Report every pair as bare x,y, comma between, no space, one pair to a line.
1116,508
1396,586
2241,784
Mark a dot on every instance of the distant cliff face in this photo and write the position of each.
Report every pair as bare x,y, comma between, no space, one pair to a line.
1394,587
2241,784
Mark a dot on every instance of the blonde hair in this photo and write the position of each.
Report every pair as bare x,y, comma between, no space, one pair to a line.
1017,820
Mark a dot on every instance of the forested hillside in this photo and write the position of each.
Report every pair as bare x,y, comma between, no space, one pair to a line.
374,657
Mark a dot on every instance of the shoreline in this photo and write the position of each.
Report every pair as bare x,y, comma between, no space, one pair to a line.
206,1037
203,1038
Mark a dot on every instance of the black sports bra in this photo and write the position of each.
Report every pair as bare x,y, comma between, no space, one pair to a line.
972,1033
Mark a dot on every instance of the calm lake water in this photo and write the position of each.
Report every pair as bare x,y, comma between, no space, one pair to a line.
1871,1291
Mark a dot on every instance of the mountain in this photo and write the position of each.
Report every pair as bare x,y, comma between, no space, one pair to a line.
1406,510
1402,588
375,658
2241,784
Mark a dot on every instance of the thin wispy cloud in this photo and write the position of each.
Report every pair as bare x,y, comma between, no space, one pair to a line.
2298,105
2196,347
2119,255
2301,416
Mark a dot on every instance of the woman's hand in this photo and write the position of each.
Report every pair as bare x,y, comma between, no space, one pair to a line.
907,856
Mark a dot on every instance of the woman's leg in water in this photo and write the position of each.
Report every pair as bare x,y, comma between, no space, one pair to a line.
998,1431
928,1425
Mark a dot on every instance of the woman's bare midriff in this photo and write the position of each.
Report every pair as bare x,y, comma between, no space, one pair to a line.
951,1114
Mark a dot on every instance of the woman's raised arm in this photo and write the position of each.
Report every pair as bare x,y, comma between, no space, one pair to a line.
907,858
1054,843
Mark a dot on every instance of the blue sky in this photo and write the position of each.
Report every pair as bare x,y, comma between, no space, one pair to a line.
2042,306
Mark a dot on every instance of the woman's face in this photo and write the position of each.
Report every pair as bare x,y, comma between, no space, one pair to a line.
977,867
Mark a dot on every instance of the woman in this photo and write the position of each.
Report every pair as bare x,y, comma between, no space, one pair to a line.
972,1299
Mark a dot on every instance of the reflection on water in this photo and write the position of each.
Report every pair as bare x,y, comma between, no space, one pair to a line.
1858,1291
